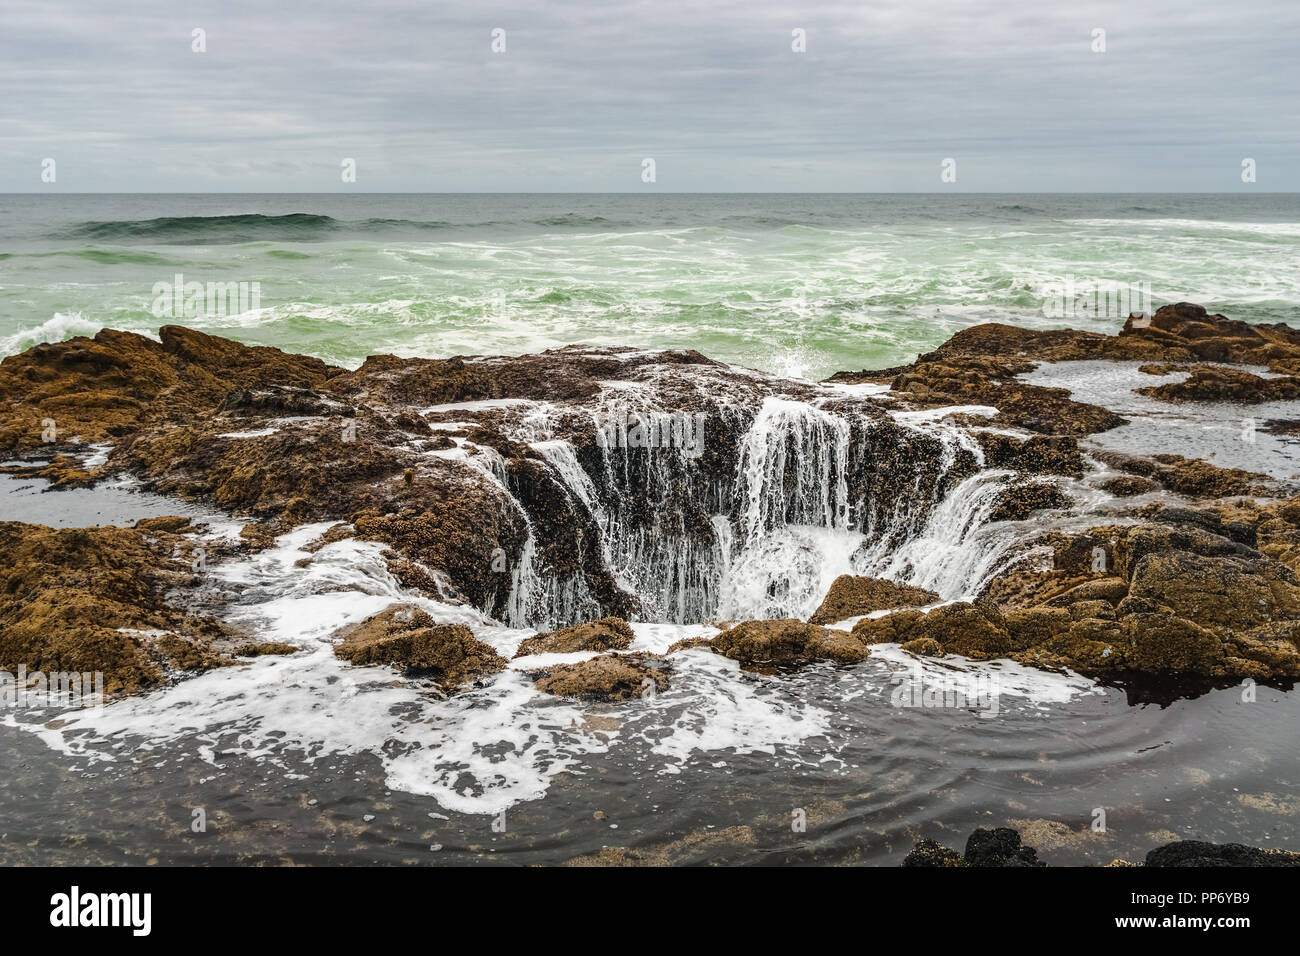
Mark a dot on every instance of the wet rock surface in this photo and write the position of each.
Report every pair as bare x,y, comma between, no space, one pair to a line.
545,490
1216,384
979,365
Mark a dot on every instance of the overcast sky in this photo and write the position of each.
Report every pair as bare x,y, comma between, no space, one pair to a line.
588,89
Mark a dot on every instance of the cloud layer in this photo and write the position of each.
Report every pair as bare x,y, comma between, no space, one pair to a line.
712,91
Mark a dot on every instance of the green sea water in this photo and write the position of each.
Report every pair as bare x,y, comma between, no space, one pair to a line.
795,284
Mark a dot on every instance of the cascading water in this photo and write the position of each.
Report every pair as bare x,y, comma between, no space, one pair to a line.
955,554
756,512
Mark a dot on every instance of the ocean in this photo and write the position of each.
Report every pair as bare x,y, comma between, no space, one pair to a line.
798,285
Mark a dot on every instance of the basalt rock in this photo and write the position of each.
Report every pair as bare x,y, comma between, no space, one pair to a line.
1128,486
1274,527
269,649
546,515
1191,477
853,595
109,386
929,853
1179,333
1198,853
978,630
483,496
1200,479
1222,591
935,381
1000,847
609,633
1039,455
61,471
923,647
406,636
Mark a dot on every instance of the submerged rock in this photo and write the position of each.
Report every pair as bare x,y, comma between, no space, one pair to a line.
1128,486
608,677
406,636
270,649
852,595
609,633
1200,479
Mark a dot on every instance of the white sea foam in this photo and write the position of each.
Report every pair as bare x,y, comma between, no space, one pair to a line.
55,329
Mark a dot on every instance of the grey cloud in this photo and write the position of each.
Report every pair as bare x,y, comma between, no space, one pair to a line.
712,91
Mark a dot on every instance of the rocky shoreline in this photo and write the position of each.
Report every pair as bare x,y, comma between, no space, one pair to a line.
524,488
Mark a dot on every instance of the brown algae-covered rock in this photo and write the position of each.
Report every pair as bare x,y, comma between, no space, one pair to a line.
607,677
406,636
606,634
853,595
768,646
93,599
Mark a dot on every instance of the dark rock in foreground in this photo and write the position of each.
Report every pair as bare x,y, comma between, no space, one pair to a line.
1002,847
1196,853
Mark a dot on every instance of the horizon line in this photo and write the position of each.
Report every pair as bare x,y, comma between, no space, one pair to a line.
651,193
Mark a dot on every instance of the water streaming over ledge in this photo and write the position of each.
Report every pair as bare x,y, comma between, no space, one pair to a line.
759,518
